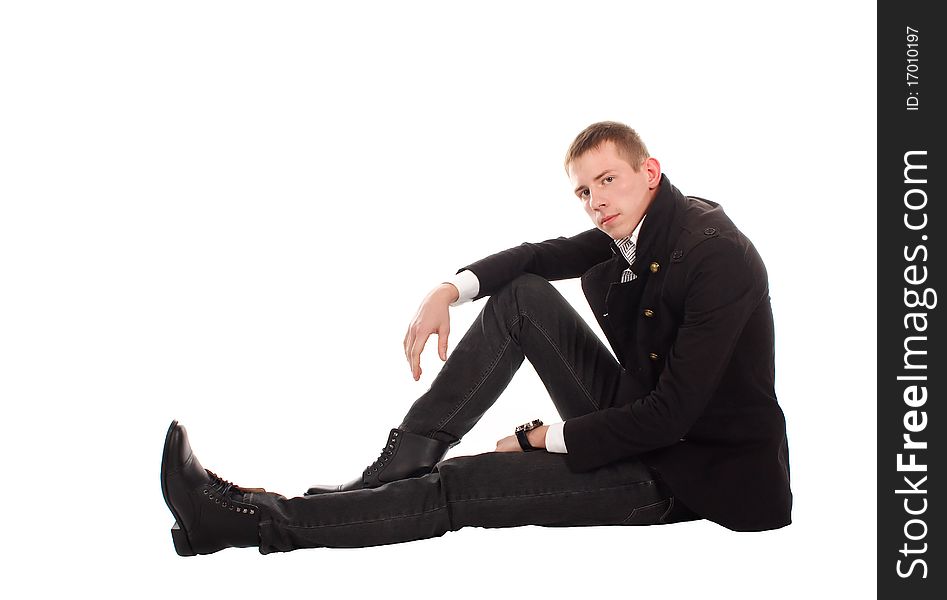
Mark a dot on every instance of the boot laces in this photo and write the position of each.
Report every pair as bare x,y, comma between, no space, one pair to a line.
387,451
221,485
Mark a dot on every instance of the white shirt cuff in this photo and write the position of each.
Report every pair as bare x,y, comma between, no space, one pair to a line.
467,284
555,442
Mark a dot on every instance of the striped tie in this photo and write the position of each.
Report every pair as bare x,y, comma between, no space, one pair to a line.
627,248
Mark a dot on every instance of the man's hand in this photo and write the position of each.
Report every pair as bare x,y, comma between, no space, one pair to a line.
536,437
433,317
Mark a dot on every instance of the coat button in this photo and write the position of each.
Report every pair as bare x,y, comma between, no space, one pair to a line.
710,231
653,356
654,267
648,312
677,254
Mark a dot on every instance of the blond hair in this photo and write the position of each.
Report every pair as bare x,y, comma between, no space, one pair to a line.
626,140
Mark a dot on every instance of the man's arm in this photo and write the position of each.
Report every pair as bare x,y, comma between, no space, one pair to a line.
726,284
559,258
553,259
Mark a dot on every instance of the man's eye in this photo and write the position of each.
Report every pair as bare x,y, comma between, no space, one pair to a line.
609,179
583,193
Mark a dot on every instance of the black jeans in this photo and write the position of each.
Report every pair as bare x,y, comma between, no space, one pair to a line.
527,318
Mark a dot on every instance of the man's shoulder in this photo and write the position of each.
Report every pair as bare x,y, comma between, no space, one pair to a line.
698,221
701,213
704,229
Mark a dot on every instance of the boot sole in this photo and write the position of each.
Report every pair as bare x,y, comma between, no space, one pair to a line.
181,544
178,534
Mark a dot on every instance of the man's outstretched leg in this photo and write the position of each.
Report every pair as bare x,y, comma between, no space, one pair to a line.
528,318
496,489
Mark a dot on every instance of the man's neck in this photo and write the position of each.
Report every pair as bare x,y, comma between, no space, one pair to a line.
652,194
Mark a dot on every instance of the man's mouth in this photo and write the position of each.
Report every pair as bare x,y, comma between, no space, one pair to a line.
607,219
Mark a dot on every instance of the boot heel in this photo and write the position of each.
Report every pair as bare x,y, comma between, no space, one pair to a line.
181,545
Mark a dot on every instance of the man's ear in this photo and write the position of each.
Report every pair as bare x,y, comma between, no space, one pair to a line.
653,167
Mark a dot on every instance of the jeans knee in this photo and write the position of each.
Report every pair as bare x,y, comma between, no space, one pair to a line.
527,289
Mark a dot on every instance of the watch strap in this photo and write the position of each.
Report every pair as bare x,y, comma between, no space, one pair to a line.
524,441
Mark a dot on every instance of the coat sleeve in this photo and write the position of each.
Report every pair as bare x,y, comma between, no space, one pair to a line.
721,291
553,259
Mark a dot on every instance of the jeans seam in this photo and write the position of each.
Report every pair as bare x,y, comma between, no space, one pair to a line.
496,360
557,493
362,522
575,376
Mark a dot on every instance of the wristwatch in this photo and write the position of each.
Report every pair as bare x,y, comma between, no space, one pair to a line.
520,432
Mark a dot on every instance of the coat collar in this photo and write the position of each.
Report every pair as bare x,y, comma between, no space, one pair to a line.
653,239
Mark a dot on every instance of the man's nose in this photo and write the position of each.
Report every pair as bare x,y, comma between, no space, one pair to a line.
598,200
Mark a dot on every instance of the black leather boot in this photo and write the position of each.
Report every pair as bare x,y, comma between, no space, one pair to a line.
210,513
406,455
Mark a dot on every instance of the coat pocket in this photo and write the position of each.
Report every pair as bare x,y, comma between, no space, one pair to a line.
650,514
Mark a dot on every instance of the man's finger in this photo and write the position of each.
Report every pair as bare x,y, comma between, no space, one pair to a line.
442,343
416,351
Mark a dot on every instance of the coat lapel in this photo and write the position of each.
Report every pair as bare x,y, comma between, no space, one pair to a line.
615,304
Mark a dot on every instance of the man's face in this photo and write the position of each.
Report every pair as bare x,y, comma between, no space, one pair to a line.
614,196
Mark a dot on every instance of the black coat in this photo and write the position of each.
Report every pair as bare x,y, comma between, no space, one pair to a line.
695,329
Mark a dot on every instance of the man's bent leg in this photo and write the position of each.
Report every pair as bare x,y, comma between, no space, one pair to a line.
527,318
495,489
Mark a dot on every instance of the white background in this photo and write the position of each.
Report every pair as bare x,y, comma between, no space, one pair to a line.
228,213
